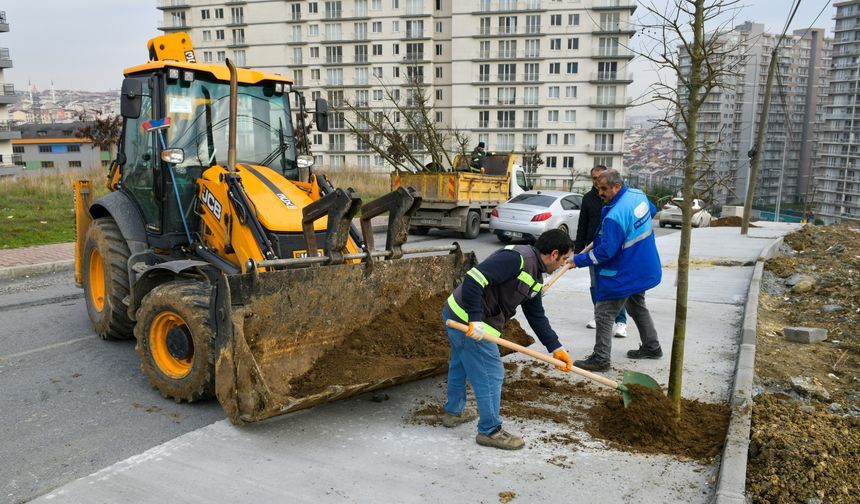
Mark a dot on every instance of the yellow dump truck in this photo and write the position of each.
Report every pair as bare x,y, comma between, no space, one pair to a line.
463,200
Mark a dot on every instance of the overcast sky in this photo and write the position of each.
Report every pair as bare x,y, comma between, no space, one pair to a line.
85,44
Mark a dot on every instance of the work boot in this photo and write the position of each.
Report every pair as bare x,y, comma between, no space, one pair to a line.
643,353
619,330
592,324
592,363
467,415
501,439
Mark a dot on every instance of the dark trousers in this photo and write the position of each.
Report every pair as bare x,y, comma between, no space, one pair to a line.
606,311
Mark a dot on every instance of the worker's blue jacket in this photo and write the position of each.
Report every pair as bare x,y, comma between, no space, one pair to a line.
625,254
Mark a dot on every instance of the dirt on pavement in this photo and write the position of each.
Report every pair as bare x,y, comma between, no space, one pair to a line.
805,434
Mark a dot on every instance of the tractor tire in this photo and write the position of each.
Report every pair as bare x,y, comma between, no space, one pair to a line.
419,230
105,279
473,225
175,340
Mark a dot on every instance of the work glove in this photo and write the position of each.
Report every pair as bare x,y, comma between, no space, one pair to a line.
561,355
476,331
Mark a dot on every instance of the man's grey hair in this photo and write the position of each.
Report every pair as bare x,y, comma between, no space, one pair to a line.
612,177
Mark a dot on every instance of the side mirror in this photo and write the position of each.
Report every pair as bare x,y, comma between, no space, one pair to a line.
173,156
130,98
304,163
321,115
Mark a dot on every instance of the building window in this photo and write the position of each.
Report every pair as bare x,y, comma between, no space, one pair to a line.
438,116
396,73
207,35
552,115
438,49
570,92
572,19
74,148
395,49
74,164
555,44
377,49
17,149
438,26
315,74
47,164
438,94
376,27
219,34
239,57
553,92
314,30
569,139
555,68
395,26
505,141
483,118
552,139
483,96
45,148
204,14
530,96
438,4
484,73
551,162
572,67
313,8
570,116
568,161
315,52
377,95
555,20
438,72
296,11
507,72
506,119
207,56
219,13
377,72
573,43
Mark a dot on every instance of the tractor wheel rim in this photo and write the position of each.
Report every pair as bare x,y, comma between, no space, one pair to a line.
97,280
161,354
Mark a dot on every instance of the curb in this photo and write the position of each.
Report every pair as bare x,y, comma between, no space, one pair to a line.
14,272
731,481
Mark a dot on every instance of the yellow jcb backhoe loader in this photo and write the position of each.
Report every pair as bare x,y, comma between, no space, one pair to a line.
233,264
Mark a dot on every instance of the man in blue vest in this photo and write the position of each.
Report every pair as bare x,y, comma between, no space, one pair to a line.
487,298
624,257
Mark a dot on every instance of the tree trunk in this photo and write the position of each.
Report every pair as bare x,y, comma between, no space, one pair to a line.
697,59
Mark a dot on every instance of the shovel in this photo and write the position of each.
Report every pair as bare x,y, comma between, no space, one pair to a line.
630,377
546,286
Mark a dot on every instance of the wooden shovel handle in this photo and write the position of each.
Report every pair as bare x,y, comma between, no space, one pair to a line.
537,355
564,269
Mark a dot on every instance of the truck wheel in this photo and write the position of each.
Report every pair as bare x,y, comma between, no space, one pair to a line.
175,340
420,230
105,278
473,225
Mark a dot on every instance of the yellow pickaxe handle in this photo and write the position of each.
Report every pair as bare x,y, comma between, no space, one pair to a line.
537,355
564,269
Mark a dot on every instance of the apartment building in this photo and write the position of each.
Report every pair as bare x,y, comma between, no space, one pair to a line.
837,182
7,97
729,118
56,146
549,75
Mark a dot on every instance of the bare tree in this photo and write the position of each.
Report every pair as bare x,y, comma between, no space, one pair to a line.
404,132
699,62
103,129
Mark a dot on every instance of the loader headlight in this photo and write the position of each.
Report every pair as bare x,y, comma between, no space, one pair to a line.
173,73
279,88
173,156
188,76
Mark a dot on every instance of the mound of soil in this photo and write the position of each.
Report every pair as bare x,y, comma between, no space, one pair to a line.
533,392
403,339
648,424
799,455
733,221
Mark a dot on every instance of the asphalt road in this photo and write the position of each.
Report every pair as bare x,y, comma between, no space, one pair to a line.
72,404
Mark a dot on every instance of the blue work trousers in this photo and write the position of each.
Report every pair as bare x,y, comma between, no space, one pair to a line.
481,364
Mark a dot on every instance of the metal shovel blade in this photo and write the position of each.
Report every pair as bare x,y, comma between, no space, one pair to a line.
634,378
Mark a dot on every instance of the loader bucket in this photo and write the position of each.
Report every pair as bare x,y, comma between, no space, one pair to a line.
285,322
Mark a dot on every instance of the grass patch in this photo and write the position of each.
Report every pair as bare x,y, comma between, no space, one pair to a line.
40,209
370,185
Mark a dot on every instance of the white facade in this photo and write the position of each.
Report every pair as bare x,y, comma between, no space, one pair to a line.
7,97
549,74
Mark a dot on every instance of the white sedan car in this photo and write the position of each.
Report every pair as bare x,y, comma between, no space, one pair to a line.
531,213
670,215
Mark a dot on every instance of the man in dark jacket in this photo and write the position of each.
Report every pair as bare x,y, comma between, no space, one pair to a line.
589,220
487,298
626,263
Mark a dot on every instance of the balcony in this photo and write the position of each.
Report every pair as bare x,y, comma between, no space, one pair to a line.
608,126
611,78
614,28
612,54
237,43
507,31
174,26
604,149
237,21
603,5
6,131
414,57
609,102
172,4
332,15
4,25
415,34
7,94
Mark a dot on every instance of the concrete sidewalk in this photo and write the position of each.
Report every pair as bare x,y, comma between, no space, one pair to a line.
361,451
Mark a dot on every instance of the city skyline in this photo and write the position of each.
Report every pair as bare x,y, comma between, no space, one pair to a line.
105,42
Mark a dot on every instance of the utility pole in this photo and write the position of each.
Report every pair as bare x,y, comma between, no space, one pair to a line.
762,127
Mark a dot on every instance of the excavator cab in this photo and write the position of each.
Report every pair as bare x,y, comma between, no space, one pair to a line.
234,265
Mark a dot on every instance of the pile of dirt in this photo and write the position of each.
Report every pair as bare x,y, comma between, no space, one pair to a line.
399,341
533,392
801,454
733,221
804,446
648,424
